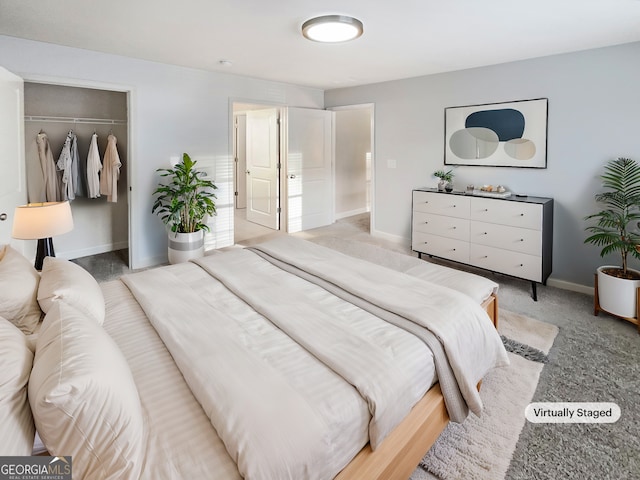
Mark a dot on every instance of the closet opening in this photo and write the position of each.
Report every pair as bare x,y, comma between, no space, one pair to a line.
54,113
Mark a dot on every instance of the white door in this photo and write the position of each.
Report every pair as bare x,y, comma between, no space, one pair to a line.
309,162
240,156
263,167
13,190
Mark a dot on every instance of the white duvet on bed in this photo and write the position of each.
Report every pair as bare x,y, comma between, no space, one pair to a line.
280,412
302,409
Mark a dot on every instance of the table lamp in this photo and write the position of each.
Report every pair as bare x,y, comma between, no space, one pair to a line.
41,221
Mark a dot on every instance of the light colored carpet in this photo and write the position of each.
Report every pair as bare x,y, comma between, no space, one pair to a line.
481,447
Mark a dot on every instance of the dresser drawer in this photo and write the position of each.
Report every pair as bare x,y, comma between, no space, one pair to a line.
451,249
516,239
503,212
450,227
511,263
441,204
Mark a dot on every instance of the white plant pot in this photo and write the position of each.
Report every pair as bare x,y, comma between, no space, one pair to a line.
185,246
617,295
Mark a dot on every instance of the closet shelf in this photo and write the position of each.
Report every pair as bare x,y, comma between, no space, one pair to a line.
102,121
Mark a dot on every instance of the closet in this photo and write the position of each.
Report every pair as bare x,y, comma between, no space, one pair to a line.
99,226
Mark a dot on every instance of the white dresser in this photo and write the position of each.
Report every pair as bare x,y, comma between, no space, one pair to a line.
513,236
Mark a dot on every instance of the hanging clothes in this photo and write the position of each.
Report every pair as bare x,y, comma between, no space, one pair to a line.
76,167
94,166
111,170
51,181
64,165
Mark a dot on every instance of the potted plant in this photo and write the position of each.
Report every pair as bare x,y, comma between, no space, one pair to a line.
616,286
183,201
445,180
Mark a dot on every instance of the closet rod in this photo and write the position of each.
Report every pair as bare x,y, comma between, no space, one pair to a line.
103,121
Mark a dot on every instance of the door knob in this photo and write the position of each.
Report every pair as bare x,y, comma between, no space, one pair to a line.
248,172
292,176
3,217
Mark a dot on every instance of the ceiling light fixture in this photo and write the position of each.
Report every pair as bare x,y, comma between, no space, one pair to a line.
332,28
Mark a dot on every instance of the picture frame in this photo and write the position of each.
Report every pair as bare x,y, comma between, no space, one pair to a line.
505,134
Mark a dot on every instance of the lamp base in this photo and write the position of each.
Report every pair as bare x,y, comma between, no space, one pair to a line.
44,249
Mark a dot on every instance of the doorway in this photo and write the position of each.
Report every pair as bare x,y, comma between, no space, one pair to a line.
256,157
354,157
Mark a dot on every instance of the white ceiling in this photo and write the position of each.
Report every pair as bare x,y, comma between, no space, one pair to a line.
402,38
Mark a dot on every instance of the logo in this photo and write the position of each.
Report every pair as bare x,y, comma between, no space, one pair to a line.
35,468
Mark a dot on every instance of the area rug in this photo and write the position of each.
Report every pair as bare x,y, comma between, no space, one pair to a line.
481,447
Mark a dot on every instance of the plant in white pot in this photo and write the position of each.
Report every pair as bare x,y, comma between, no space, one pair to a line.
617,286
446,179
183,201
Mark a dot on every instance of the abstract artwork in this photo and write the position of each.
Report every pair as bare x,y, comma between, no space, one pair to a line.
508,134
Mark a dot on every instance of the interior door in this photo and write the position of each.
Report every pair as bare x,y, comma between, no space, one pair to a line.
310,189
13,190
262,154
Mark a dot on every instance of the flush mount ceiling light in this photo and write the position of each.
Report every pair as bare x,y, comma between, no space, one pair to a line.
332,28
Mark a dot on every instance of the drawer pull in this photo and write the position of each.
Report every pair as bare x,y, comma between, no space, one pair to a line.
485,256
484,233
522,239
426,222
453,249
453,228
522,214
486,210
522,265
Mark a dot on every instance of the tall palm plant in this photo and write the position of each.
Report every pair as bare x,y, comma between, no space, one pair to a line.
186,199
613,229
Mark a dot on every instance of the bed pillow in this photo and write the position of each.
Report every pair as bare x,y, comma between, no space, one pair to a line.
83,397
16,421
19,287
64,280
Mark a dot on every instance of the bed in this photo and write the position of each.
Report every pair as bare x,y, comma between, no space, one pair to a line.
286,360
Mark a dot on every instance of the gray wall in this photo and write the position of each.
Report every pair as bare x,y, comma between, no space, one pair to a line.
594,104
172,110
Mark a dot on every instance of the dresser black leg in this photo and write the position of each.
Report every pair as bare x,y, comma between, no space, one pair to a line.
534,291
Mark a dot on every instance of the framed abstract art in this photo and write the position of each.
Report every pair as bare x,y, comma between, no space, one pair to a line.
507,134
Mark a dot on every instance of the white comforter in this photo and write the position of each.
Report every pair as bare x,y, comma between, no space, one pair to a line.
271,427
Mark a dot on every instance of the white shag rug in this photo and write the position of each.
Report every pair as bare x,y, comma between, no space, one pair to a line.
481,447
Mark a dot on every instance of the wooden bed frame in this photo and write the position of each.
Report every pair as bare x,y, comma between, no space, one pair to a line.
399,454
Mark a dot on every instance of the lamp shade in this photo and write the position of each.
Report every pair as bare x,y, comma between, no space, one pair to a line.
42,220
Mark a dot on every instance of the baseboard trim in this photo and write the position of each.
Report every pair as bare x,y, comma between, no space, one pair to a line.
398,239
350,213
95,250
573,287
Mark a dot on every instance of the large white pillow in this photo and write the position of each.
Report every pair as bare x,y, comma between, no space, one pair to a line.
64,280
16,421
18,290
83,397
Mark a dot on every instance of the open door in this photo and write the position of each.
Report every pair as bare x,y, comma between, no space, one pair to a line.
263,160
309,163
13,190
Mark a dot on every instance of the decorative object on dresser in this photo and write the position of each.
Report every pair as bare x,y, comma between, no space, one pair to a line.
446,179
182,204
617,287
513,236
507,134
